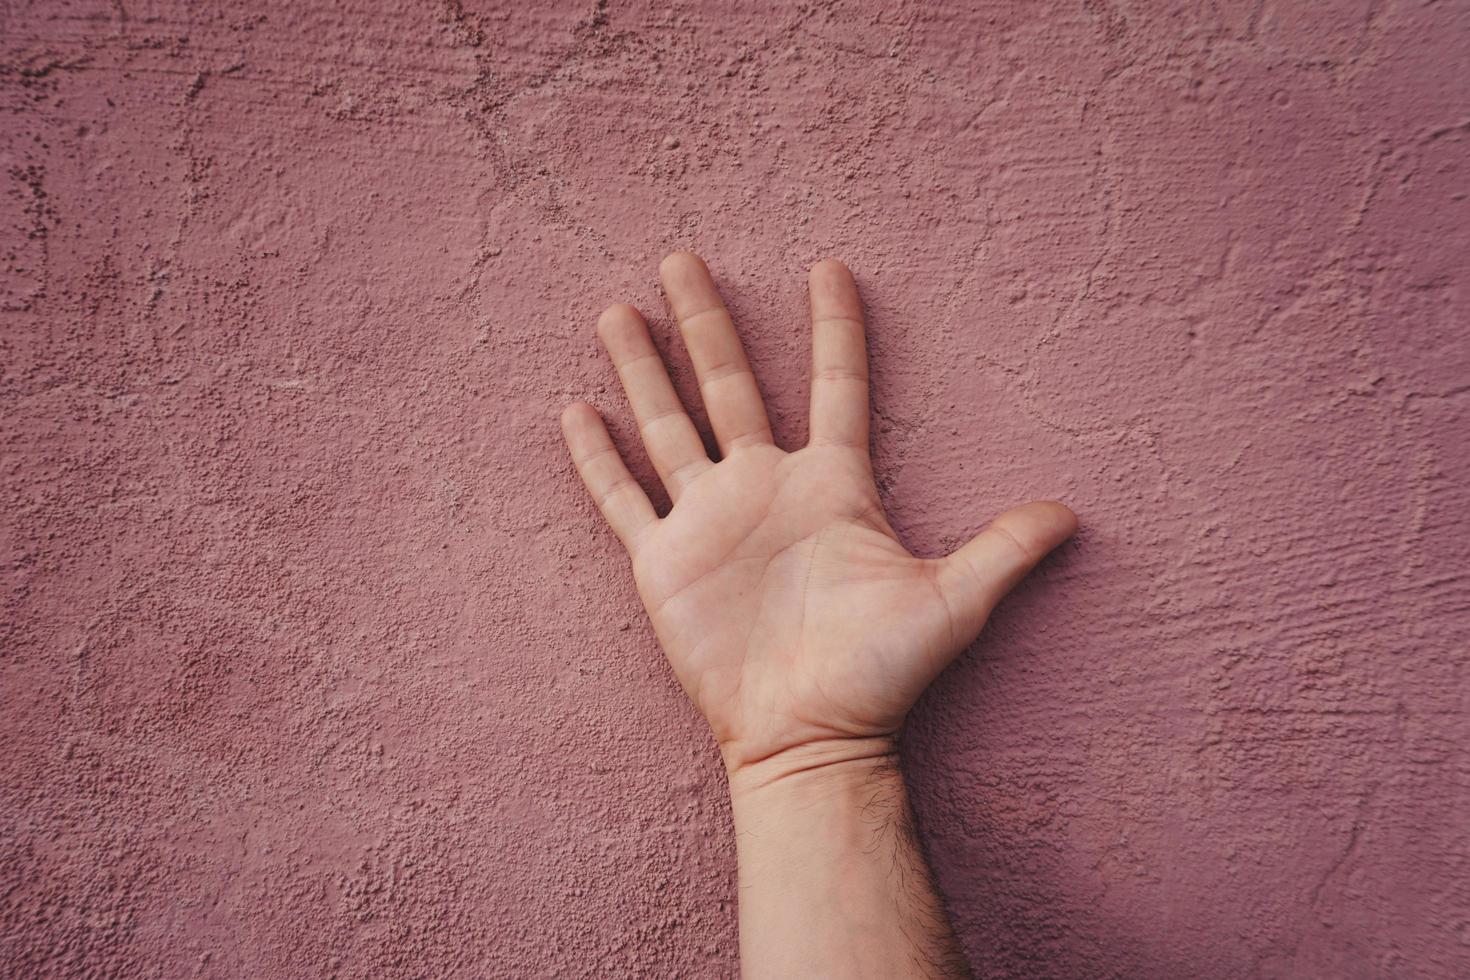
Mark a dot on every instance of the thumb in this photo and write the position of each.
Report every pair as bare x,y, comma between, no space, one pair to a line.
979,574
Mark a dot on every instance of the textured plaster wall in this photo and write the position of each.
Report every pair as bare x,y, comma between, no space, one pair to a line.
315,657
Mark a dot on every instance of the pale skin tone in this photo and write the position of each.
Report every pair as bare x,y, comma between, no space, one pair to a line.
798,623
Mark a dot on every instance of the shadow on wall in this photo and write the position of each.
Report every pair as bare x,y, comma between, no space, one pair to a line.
1001,806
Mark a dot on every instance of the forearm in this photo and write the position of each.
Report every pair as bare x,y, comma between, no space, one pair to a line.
832,878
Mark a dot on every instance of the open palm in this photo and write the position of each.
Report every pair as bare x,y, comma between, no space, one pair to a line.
788,608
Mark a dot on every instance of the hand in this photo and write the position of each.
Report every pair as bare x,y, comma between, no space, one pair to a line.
788,608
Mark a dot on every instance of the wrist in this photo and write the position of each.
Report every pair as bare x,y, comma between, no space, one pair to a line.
816,765
832,875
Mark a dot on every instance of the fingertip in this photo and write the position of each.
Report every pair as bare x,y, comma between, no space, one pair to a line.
680,263
618,316
687,282
1039,526
576,416
623,332
1064,517
834,292
688,285
828,269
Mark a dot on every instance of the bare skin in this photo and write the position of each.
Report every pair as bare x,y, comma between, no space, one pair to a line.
799,624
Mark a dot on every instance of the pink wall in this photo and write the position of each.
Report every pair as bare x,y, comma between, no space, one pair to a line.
315,653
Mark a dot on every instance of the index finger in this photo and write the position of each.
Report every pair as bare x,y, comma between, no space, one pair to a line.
839,359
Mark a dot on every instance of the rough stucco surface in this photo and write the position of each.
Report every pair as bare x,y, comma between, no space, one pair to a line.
317,659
